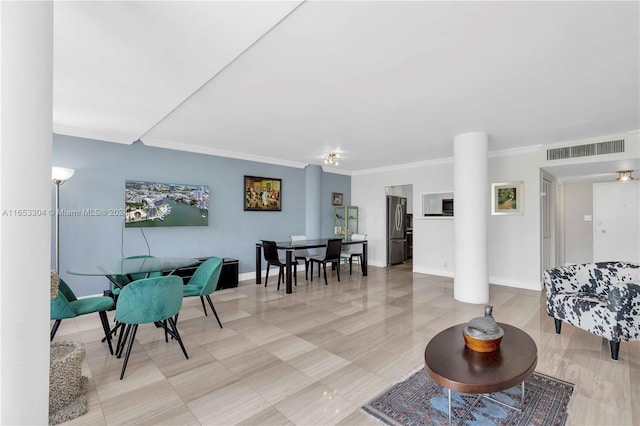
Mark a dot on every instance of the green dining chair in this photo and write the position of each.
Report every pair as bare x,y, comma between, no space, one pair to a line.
204,282
123,280
149,300
67,305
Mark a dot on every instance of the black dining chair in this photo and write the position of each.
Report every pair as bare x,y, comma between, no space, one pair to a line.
272,257
301,254
331,255
354,251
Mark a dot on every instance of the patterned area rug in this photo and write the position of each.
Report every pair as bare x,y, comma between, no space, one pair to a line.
418,400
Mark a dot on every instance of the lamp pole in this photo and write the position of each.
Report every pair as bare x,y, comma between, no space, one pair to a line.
59,175
57,183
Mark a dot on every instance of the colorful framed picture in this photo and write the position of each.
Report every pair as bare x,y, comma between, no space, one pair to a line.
262,194
336,198
507,198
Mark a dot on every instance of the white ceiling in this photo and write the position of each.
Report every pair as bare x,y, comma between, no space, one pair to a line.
382,83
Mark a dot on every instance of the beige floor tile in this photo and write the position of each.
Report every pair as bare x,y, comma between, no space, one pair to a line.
279,382
267,417
229,346
315,356
251,362
315,404
289,347
318,363
229,405
150,404
265,333
355,384
358,418
200,381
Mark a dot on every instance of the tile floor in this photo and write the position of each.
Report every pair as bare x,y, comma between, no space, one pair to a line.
315,356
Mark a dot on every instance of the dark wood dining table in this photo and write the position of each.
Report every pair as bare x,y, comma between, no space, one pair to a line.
289,247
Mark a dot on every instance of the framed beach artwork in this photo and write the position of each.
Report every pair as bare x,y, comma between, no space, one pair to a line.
262,194
507,198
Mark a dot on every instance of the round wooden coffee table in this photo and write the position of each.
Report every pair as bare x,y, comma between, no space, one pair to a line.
451,364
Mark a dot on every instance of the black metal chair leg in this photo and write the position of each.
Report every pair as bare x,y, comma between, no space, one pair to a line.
324,268
178,338
266,279
338,270
122,340
166,334
558,325
54,329
114,330
105,327
214,310
126,356
279,275
203,307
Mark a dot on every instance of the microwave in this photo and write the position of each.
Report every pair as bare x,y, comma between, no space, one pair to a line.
447,206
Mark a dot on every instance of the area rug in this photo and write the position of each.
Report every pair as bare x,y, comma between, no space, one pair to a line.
418,400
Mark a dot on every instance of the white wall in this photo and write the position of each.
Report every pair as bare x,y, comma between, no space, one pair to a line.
514,241
368,193
578,233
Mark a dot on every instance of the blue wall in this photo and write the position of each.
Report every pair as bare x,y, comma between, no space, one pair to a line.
98,183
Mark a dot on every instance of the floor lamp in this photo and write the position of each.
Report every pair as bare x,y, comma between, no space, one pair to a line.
59,175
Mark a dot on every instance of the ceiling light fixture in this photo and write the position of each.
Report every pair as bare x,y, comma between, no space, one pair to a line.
624,175
332,159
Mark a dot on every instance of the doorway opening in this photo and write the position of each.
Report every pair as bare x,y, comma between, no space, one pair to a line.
399,225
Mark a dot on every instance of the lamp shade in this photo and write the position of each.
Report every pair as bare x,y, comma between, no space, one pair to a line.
61,174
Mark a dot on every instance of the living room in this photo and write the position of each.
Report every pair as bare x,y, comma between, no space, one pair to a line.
103,166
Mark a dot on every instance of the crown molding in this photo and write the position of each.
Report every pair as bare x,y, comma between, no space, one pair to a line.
198,149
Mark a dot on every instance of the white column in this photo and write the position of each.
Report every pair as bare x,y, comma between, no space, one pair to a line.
471,197
26,85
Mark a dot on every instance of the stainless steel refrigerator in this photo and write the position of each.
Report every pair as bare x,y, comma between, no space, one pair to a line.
396,229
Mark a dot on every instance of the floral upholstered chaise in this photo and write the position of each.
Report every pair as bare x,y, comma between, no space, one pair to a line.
602,298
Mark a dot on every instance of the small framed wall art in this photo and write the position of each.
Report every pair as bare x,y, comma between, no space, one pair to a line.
336,198
507,198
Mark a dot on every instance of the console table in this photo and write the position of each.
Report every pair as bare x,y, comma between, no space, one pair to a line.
228,275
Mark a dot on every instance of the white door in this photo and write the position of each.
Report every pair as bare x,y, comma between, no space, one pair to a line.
547,240
616,221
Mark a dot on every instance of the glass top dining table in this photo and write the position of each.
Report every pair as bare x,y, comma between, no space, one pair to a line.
138,265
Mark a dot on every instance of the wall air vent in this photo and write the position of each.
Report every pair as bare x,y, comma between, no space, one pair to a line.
599,148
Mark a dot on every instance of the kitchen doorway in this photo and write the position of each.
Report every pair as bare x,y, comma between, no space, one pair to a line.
399,214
